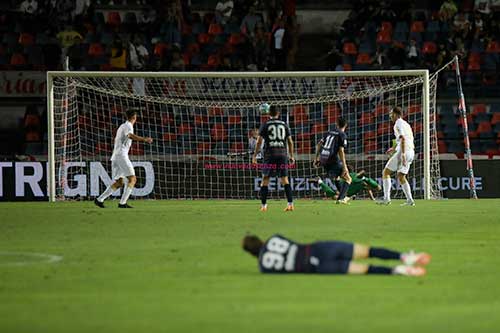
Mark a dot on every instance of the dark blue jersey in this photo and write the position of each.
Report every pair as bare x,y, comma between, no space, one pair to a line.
275,133
330,146
282,255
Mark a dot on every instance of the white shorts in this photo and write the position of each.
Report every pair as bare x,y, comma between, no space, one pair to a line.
122,168
394,163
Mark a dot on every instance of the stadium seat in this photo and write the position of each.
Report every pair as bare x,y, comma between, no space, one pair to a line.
370,135
442,147
102,148
331,112
17,59
386,26
137,149
318,129
384,128
213,60
478,108
350,48
204,38
417,26
160,49
200,119
429,48
169,137
193,48
484,127
366,118
218,132
237,147
167,119
235,39
414,109
493,47
26,39
495,118
384,37
299,114
363,59
184,128
370,146
215,29
303,147
114,19
381,110
234,120
215,111
203,147
95,50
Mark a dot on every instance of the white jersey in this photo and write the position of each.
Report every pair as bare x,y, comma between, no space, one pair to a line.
402,128
122,141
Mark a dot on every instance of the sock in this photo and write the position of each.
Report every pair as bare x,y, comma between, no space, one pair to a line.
378,252
126,193
407,191
387,188
328,190
106,193
263,194
378,270
343,190
288,191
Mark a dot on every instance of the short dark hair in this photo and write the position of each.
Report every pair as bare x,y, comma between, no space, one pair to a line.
273,111
252,244
397,110
130,113
341,122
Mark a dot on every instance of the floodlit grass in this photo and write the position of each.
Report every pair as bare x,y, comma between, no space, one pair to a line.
177,266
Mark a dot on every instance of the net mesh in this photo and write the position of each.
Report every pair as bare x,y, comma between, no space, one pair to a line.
202,128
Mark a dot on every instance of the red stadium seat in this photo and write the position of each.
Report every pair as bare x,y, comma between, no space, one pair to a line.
32,136
303,136
495,119
381,110
331,113
204,38
370,146
417,26
213,60
169,137
386,26
478,108
26,39
235,39
350,48
234,120
442,148
32,120
367,118
200,120
186,57
473,66
347,67
186,29
114,19
215,111
370,135
484,127
417,127
215,29
102,148
218,132
318,129
300,114
429,48
185,128
303,147
17,59
237,147
493,47
474,57
95,50
193,48
364,59
264,118
203,147
414,109
384,128
137,149
167,119
384,37
160,49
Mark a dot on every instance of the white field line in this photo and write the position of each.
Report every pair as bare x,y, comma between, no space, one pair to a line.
44,258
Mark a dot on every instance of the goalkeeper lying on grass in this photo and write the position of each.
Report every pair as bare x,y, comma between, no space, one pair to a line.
359,184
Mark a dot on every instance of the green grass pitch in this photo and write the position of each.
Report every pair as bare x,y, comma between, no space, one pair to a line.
177,266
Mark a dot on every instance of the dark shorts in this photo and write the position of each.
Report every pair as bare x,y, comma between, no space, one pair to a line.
333,169
275,166
332,257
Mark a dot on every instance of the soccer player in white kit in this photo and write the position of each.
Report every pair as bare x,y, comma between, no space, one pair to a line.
120,163
401,160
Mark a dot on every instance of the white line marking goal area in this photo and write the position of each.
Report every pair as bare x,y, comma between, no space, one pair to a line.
11,258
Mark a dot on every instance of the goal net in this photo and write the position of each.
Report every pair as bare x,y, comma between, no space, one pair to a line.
201,124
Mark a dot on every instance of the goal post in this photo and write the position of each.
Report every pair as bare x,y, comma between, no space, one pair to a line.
201,123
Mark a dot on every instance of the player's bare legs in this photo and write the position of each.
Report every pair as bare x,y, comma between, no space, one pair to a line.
112,188
127,191
288,192
406,189
264,189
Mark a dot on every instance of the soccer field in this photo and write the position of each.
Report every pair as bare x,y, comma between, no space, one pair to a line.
177,266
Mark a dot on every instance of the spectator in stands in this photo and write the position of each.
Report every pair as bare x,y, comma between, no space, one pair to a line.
396,55
80,8
76,54
260,47
443,56
225,65
478,24
292,42
279,51
412,54
138,54
448,10
67,37
461,24
250,21
118,58
223,11
29,7
177,63
380,59
482,6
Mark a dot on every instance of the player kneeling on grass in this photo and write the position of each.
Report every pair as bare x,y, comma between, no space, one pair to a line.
282,255
120,163
400,161
277,139
330,155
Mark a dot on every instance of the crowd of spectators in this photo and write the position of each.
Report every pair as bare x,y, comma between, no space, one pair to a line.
150,35
378,35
